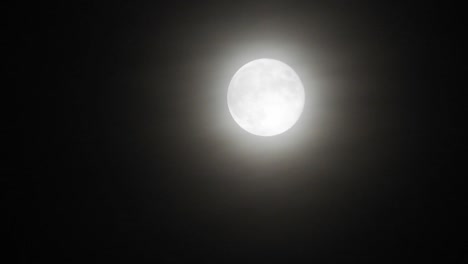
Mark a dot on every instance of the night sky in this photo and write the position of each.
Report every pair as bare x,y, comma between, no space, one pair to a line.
128,153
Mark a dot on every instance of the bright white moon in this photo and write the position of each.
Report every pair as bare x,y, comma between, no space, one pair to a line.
266,97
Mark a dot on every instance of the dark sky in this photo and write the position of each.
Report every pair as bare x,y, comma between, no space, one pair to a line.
128,153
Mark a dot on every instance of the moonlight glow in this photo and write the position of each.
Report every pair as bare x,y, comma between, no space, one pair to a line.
265,97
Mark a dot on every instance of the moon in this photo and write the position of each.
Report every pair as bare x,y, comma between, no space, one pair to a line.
266,97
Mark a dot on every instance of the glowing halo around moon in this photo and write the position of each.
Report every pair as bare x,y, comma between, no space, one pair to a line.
266,97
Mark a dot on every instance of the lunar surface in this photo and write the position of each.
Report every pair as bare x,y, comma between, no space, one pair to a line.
265,97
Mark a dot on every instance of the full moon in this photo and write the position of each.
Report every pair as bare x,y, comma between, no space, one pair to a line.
266,97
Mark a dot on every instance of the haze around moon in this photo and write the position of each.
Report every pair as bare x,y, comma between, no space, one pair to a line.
266,97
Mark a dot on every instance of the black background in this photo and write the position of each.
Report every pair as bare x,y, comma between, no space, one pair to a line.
116,160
